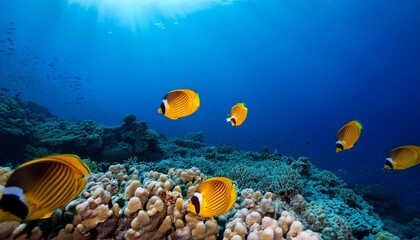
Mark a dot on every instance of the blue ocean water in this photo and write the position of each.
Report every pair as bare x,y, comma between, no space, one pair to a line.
303,68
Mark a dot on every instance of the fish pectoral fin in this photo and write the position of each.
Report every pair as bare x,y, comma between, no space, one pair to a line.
48,215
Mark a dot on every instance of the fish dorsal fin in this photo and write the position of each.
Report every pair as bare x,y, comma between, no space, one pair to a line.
72,161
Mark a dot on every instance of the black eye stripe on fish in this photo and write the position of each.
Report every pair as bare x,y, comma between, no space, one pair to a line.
11,203
196,203
163,108
389,164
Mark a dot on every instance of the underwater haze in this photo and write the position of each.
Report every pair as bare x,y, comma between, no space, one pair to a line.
303,69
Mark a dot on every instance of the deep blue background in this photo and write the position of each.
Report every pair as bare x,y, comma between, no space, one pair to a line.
303,68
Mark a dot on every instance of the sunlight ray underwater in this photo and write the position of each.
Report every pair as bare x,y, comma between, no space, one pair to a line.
139,14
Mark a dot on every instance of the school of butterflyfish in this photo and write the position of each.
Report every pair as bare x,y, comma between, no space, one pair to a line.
38,187
399,158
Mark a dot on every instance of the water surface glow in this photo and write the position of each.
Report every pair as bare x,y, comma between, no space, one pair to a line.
143,13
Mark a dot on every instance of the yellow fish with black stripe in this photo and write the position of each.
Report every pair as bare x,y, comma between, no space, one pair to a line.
403,157
348,136
238,114
213,197
179,103
38,187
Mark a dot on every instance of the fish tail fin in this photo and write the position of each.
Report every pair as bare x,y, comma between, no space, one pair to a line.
197,100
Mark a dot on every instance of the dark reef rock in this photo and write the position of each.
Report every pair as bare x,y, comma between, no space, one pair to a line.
400,220
194,140
18,121
28,131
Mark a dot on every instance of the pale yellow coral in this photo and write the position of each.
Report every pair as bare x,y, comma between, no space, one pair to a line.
65,233
154,205
131,188
240,228
165,226
98,215
133,205
308,235
295,229
141,220
6,228
267,234
254,217
155,209
4,175
204,230
178,210
285,221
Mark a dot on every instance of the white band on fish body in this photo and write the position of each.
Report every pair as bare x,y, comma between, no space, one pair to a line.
17,191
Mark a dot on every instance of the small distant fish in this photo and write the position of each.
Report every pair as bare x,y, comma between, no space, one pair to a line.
38,187
238,114
4,89
213,197
403,157
348,136
179,103
18,94
8,32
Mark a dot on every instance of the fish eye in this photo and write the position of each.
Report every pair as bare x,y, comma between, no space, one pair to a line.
233,120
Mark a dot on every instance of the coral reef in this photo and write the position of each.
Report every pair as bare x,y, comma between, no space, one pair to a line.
27,126
142,182
128,202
